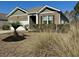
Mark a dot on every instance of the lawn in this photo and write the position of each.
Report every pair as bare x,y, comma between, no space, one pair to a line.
36,44
23,47
17,48
14,48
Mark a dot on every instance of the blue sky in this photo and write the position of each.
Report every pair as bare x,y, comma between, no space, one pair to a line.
7,6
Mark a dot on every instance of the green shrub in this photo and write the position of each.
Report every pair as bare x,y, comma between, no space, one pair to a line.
15,25
6,27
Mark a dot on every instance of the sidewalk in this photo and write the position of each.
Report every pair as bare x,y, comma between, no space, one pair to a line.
5,31
8,31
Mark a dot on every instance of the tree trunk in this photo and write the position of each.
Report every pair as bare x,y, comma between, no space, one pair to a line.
15,33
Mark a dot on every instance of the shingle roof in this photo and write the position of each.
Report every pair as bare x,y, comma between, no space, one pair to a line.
37,9
34,10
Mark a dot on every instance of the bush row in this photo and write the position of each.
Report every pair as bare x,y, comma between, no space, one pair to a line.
45,27
51,27
6,27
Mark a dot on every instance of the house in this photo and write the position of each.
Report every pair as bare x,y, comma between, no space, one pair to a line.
39,15
3,20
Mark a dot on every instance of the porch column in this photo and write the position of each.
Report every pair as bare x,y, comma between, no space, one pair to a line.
47,20
36,18
59,18
29,21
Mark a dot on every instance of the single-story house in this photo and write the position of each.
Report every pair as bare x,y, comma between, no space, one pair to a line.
38,15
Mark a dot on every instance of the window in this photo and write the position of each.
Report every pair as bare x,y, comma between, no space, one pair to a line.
47,19
50,18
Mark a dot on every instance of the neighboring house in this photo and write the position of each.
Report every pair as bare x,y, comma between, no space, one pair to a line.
3,20
40,15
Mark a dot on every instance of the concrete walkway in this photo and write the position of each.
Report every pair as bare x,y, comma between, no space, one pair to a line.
5,31
8,31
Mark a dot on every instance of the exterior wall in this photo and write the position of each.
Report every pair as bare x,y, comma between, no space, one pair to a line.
47,10
18,12
54,14
22,20
19,16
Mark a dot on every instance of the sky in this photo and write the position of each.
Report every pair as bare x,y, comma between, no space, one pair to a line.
8,6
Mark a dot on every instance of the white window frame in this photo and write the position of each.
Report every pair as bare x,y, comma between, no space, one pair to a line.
47,20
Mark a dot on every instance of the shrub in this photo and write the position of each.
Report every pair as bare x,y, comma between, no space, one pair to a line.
15,25
6,27
26,27
63,28
51,27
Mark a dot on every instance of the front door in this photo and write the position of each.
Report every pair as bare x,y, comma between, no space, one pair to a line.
32,21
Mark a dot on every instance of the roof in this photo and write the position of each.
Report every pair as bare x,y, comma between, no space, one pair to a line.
39,9
34,10
3,17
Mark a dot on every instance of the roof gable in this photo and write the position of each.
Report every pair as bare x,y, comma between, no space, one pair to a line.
52,8
39,9
46,10
16,11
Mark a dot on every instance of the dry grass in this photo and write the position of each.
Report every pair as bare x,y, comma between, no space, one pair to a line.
42,44
55,44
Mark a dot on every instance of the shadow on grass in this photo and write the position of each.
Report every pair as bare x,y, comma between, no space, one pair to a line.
13,38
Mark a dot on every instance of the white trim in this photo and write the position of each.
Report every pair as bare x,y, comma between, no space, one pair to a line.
36,18
15,10
59,19
48,7
29,19
33,12
46,12
47,20
19,15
